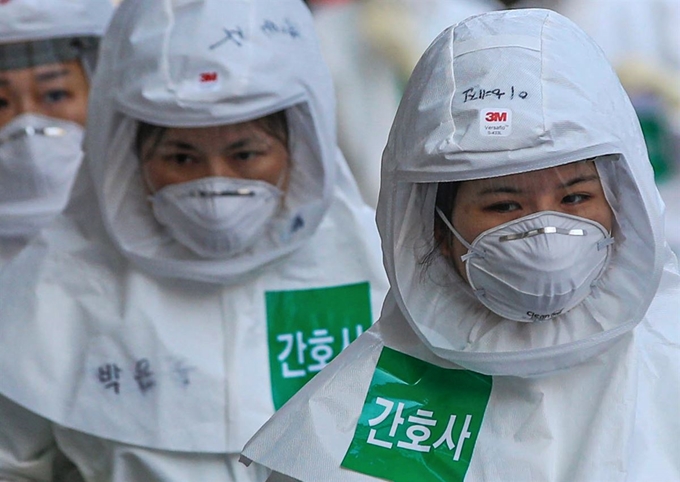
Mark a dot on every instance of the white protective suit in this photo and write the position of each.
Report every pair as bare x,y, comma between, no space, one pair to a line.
32,33
591,395
141,359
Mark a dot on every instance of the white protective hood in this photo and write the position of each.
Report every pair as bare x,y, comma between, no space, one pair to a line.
29,20
565,104
177,46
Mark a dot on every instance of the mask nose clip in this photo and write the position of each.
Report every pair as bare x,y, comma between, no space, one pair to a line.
28,131
222,193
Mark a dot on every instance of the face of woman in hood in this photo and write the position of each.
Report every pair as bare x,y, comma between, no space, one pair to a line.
247,150
57,90
482,204
216,189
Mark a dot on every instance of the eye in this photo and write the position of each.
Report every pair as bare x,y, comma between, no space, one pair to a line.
503,207
4,103
575,198
180,159
245,155
56,95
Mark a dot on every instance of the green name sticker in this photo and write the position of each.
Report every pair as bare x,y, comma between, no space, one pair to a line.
308,328
420,422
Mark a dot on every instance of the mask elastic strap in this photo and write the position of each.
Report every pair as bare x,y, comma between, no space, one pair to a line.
471,250
604,243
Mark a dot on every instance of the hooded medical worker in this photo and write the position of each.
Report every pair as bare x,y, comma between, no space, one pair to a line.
47,54
531,330
48,51
215,255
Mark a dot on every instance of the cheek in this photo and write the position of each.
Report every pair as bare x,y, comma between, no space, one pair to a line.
275,168
600,213
467,222
458,251
5,117
74,110
79,86
150,177
13,105
283,171
606,214
80,112
157,176
607,218
470,222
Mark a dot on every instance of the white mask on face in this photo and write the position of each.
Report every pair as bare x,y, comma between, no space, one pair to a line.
217,217
39,159
536,267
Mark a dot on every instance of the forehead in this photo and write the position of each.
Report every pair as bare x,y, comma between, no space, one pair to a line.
215,135
540,180
70,71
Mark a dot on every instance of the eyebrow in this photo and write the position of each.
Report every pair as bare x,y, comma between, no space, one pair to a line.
499,190
510,189
580,179
179,145
252,141
52,74
239,144
42,77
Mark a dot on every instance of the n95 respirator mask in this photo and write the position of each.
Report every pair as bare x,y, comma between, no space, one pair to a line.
536,267
39,159
217,217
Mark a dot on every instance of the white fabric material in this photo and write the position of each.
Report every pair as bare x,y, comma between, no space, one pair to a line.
103,460
217,216
591,395
39,158
105,295
524,270
28,448
25,20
